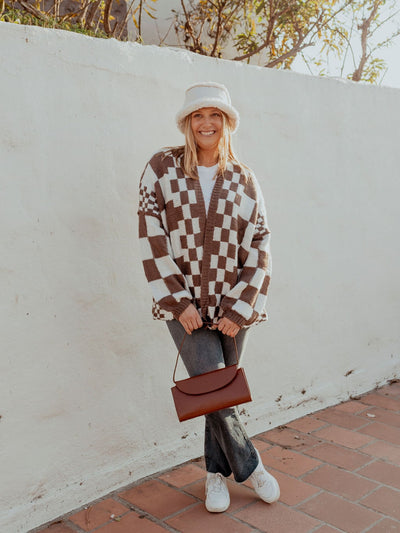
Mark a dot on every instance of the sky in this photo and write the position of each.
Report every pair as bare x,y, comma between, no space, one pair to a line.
390,54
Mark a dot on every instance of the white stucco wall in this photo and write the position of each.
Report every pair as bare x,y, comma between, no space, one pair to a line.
84,379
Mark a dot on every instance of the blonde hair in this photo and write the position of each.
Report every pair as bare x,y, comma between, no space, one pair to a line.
188,153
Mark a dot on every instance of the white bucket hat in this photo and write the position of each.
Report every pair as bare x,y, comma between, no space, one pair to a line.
207,94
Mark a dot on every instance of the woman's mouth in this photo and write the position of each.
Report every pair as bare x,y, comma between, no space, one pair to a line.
207,133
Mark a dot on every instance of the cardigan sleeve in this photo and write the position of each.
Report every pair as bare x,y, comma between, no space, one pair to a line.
246,300
167,283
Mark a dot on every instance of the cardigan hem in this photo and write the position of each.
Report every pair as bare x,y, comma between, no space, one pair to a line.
234,317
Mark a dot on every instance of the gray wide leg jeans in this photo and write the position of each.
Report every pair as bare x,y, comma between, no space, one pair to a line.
227,448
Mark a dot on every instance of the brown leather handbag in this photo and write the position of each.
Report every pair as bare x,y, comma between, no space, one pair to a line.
209,392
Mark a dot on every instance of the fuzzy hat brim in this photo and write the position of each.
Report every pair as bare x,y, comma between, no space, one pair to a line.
209,101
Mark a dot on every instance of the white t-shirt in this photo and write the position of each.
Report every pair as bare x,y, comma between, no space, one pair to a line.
207,182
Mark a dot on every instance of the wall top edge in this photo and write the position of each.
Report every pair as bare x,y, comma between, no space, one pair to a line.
36,34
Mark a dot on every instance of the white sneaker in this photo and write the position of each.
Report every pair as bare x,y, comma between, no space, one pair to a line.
265,485
217,495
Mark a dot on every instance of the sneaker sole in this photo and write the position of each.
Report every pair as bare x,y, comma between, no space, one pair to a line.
217,510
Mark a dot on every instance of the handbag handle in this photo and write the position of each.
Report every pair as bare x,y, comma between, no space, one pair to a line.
183,340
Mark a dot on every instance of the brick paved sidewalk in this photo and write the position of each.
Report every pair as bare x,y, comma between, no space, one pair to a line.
339,470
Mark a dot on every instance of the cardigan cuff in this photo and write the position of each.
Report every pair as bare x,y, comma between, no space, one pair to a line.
180,307
235,317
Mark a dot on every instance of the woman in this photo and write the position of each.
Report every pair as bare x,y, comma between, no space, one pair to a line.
205,247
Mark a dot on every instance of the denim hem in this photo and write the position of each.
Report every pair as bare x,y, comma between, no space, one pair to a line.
243,478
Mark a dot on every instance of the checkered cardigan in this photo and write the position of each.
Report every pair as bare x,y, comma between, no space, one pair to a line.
218,261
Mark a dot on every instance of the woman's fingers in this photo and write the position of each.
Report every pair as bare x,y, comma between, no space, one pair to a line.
195,320
198,320
188,328
193,324
233,332
190,319
227,327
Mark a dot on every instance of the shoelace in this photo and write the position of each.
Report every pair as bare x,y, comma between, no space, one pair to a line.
260,478
216,484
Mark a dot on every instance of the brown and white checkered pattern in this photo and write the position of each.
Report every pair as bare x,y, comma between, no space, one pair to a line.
220,261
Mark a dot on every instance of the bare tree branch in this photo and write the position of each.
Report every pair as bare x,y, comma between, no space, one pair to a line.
218,31
364,27
91,13
33,11
295,50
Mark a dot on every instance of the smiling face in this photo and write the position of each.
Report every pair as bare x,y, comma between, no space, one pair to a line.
206,125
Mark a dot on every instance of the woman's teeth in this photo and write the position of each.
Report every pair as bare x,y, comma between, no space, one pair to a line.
207,132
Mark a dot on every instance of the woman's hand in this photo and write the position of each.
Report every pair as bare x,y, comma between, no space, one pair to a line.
190,319
227,327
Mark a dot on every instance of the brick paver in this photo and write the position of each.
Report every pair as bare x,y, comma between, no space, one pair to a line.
340,482
340,418
386,526
98,514
288,461
384,500
157,499
352,406
340,513
198,520
383,450
385,473
343,437
290,438
381,415
382,432
293,491
261,445
132,522
277,518
307,424
381,400
339,456
338,470
183,476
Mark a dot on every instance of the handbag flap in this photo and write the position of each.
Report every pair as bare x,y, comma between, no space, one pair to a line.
208,382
